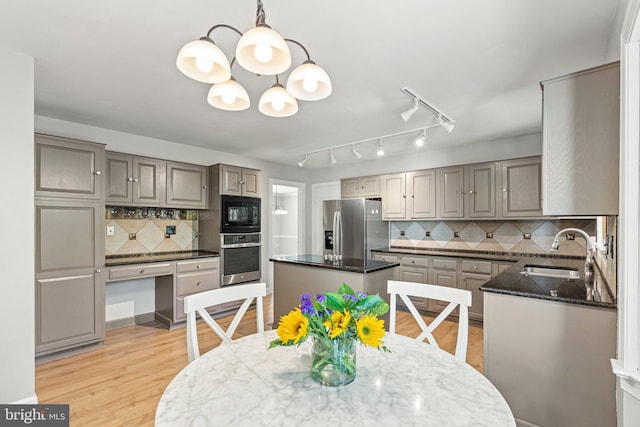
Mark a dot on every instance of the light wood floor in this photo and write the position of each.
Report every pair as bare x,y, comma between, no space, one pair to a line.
121,383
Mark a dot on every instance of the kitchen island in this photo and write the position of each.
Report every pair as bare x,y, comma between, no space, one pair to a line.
311,274
548,344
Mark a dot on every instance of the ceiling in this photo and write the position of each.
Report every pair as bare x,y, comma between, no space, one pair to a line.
111,64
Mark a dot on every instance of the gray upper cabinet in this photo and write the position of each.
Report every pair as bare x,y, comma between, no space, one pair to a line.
186,185
393,196
133,180
481,190
238,181
68,168
421,194
580,150
451,192
521,182
365,186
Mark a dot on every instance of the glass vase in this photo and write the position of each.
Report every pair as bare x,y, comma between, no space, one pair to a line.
333,362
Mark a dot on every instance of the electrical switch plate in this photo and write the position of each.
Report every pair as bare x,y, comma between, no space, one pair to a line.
111,230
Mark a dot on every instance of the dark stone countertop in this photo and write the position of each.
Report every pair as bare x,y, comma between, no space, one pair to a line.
511,282
470,253
113,260
352,265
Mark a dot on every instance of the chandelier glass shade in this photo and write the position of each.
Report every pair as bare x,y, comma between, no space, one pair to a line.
261,51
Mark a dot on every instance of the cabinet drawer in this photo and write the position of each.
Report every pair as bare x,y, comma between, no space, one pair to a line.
445,263
179,310
196,282
480,267
197,265
139,270
386,257
414,261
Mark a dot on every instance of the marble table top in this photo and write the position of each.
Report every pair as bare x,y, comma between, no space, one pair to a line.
244,384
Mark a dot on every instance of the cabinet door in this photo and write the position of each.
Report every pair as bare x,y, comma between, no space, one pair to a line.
250,183
231,180
522,188
393,196
472,282
369,186
417,275
350,188
580,142
186,185
482,190
442,278
421,194
118,178
451,192
68,168
69,311
147,174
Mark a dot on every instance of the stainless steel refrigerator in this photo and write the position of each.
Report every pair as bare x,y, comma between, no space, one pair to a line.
353,227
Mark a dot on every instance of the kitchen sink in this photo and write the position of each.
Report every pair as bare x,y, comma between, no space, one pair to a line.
546,271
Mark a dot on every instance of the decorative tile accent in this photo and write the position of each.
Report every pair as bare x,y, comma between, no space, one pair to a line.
150,236
414,232
543,236
441,234
183,236
473,235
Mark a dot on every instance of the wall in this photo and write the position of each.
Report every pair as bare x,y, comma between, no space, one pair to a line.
17,368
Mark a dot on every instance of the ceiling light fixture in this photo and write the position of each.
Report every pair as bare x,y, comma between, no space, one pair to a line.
407,114
261,51
303,161
355,151
280,210
332,157
447,122
380,151
420,139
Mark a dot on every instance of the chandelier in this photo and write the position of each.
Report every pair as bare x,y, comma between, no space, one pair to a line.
261,51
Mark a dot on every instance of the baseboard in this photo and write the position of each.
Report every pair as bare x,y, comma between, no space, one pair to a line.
138,319
31,400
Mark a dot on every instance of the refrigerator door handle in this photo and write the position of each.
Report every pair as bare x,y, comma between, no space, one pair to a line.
339,234
334,230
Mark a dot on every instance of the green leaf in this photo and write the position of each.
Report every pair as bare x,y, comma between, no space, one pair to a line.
335,301
345,289
375,305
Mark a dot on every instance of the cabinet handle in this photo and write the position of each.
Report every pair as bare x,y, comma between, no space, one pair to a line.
130,179
198,266
198,284
98,270
142,271
504,190
97,173
135,179
241,182
204,186
413,262
470,191
475,267
404,196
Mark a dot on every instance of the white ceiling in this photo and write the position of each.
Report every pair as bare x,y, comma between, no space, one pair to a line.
111,64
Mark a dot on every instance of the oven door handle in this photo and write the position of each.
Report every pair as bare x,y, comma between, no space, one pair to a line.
240,245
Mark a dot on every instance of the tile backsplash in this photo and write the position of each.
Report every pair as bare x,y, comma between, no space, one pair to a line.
150,225
532,236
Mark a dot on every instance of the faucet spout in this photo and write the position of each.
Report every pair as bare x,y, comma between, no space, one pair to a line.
588,264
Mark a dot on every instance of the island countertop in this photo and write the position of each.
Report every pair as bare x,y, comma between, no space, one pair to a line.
575,291
353,265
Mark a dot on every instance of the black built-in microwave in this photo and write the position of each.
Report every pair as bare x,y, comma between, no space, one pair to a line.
239,214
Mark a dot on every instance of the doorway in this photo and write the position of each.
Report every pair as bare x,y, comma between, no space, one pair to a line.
286,208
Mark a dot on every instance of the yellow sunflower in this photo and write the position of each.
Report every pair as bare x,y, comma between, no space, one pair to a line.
293,326
370,330
338,324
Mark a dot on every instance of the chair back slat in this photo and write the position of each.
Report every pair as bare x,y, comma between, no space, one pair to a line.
455,297
197,304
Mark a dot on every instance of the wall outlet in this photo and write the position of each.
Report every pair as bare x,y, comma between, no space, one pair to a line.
111,230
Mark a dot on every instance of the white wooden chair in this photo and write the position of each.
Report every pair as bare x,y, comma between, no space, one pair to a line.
197,303
455,297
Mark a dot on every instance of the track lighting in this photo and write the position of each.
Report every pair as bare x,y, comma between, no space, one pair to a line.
407,114
380,151
444,120
303,161
355,152
421,138
332,157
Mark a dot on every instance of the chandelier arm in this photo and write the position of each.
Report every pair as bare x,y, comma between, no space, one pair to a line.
261,16
225,26
300,44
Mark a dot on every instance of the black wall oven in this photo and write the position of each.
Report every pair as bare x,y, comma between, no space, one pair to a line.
240,258
239,214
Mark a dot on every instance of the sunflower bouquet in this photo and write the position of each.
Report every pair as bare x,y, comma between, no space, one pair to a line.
335,321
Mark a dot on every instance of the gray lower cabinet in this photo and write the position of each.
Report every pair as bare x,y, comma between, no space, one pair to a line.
69,285
473,274
192,276
68,168
186,185
134,181
415,269
444,272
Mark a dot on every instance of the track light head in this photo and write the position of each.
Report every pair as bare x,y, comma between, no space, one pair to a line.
447,124
420,140
380,151
332,157
303,161
407,114
355,152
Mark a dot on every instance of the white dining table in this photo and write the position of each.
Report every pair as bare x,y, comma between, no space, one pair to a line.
244,384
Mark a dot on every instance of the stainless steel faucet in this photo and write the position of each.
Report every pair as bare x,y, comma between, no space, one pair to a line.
588,264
